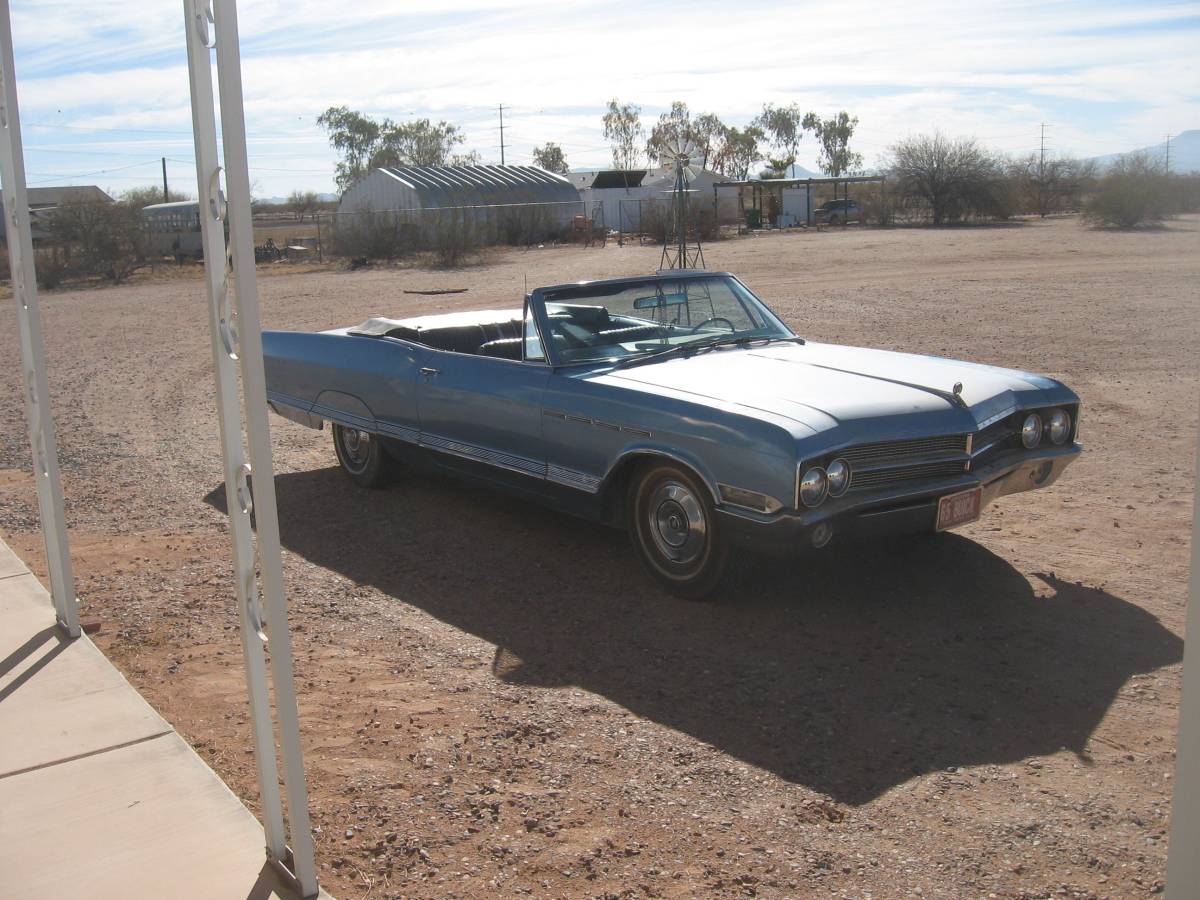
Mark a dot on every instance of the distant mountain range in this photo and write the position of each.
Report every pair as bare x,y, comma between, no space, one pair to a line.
1185,152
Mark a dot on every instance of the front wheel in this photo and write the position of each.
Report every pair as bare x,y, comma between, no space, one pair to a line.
674,530
362,456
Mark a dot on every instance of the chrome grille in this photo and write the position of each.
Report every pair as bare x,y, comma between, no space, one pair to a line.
865,481
886,452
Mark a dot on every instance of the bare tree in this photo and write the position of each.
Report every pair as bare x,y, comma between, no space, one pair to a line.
302,203
954,178
834,136
550,157
623,129
784,125
1052,184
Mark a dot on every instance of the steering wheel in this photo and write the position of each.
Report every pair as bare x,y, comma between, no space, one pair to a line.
732,327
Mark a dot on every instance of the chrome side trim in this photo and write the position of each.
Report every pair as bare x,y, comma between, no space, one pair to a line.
296,409
596,423
513,463
573,479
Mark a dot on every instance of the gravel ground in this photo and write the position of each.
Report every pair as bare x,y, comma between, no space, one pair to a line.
495,701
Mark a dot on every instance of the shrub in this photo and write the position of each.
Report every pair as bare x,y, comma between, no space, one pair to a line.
1134,191
455,236
389,235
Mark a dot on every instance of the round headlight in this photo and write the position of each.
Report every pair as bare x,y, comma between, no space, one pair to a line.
1031,431
813,486
1058,426
838,477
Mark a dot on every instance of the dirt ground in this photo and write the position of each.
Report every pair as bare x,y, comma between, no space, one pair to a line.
496,701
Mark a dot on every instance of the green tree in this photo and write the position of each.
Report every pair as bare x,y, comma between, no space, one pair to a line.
736,151
706,133
623,129
365,144
784,126
672,127
551,158
834,136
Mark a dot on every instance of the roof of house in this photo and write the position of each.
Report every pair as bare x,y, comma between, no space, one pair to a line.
53,196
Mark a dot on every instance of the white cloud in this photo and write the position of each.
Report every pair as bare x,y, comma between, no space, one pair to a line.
1106,78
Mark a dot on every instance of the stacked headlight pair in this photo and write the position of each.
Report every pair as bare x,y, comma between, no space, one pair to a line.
819,482
1056,428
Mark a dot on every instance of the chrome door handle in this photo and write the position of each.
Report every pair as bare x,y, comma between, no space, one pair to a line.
428,372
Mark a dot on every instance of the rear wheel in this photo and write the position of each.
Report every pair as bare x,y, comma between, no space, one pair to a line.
674,530
362,456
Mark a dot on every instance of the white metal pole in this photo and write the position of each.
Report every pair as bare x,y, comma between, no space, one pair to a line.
1183,860
33,357
237,339
258,438
222,328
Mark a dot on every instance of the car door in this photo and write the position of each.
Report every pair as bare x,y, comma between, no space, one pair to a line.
484,415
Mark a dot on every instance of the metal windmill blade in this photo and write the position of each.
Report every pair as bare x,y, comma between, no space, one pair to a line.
683,153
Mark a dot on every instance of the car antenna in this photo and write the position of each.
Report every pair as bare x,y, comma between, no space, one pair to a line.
526,283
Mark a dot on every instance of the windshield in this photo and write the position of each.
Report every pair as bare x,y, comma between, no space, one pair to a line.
593,322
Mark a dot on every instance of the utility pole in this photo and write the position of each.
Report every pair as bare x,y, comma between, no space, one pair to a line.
166,196
501,134
1042,164
1168,154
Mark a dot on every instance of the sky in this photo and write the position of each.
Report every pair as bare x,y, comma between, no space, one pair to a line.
103,87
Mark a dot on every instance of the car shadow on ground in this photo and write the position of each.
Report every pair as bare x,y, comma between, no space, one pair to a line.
848,671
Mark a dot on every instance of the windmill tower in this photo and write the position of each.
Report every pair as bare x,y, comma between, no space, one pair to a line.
681,249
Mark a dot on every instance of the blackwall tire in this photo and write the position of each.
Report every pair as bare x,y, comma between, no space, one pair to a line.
362,457
674,530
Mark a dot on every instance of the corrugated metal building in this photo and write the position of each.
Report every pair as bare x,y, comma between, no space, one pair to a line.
499,197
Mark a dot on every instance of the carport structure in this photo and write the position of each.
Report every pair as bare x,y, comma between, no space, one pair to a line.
765,194
116,830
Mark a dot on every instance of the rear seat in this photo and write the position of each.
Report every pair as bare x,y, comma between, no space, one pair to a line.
460,338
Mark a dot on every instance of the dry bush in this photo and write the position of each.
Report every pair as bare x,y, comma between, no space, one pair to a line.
454,236
388,235
99,239
1133,192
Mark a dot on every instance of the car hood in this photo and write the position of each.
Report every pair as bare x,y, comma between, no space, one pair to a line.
824,386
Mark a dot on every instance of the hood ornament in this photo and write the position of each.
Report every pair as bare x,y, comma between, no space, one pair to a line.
957,392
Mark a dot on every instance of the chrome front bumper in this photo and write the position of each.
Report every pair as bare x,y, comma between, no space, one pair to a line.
897,510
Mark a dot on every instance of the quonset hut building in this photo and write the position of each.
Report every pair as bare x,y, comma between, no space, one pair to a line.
498,204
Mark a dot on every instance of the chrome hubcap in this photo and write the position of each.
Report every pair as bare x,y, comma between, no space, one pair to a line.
357,447
676,520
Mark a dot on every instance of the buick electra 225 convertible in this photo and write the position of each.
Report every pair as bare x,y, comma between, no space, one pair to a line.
681,408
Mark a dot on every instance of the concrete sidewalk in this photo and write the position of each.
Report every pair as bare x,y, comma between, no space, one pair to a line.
99,797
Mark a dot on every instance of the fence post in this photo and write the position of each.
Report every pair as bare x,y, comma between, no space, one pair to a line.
42,440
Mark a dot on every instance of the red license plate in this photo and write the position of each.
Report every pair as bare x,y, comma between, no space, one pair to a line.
958,509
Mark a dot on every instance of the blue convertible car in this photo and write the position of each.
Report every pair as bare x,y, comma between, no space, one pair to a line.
679,406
